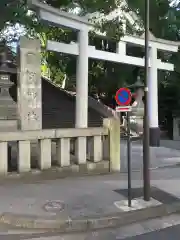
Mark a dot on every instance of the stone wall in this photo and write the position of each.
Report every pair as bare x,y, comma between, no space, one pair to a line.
58,108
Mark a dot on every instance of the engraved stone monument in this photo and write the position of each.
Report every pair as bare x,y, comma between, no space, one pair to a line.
8,108
29,85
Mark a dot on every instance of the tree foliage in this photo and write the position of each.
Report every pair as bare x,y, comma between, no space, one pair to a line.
15,12
165,24
104,77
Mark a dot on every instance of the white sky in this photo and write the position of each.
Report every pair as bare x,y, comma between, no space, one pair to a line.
174,2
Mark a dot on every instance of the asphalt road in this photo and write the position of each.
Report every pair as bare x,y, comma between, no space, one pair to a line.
170,233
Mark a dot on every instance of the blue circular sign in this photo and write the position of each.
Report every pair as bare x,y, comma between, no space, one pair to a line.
123,97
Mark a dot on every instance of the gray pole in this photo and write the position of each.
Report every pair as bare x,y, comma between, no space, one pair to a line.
129,160
146,152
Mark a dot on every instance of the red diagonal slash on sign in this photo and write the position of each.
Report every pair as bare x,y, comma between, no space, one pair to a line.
119,93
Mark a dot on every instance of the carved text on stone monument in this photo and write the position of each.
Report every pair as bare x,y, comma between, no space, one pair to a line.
32,116
31,77
31,58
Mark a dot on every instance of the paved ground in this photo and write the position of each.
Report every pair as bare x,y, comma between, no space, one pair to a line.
78,197
170,144
81,197
84,196
166,155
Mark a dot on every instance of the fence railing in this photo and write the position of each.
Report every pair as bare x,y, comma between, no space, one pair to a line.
54,146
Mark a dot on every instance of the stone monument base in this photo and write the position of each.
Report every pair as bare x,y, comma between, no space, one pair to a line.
8,125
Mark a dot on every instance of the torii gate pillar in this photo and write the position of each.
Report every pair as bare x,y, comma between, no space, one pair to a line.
153,99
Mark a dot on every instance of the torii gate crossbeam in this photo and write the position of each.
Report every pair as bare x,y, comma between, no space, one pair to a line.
84,51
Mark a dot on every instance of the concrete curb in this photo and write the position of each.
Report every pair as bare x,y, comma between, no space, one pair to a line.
173,165
91,223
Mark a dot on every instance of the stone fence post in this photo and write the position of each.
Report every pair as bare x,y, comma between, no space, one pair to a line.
113,124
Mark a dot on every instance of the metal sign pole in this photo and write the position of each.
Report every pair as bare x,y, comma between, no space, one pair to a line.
129,160
123,99
146,150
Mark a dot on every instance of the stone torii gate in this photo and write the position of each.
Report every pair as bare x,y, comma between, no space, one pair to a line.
83,51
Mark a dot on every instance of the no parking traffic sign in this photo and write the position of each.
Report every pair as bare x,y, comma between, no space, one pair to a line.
123,97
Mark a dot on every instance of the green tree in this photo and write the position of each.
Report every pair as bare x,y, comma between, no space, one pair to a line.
15,12
165,24
104,77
